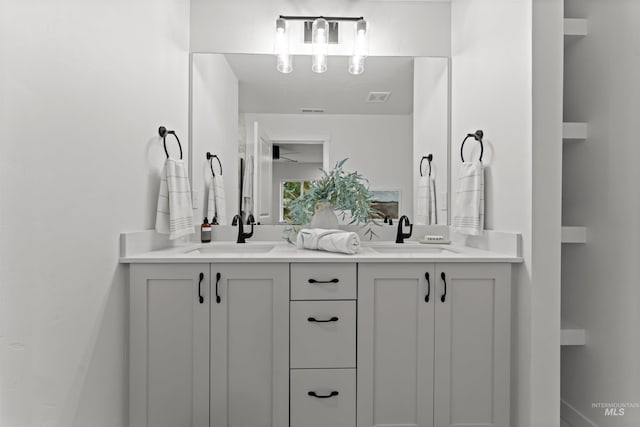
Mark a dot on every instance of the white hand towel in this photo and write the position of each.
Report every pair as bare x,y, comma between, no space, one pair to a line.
468,213
221,206
329,240
247,187
433,206
422,201
175,213
426,201
211,198
216,205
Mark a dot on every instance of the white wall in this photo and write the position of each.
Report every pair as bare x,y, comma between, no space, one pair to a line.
431,127
291,171
84,87
397,28
600,279
214,129
378,146
546,208
493,79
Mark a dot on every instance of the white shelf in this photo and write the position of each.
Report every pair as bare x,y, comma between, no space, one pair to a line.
575,27
574,130
572,335
574,235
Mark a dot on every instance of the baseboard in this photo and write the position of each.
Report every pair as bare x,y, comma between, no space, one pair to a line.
573,416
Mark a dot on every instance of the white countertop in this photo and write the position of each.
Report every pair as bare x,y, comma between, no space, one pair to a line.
264,251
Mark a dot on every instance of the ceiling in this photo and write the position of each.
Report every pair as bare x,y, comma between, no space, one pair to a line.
265,90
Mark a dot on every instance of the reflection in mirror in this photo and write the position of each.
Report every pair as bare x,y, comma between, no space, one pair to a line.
275,132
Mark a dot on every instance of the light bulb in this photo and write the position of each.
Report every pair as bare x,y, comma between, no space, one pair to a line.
320,46
356,64
360,48
360,39
281,47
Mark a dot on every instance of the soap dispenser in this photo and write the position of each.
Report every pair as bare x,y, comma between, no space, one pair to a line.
205,231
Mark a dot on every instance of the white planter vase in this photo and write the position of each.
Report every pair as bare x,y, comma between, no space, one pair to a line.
324,217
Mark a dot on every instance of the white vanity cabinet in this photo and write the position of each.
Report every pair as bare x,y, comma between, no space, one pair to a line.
441,362
323,344
249,345
472,345
169,345
197,362
311,344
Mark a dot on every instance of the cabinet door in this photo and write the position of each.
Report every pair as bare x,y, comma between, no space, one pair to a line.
250,345
395,345
169,345
472,345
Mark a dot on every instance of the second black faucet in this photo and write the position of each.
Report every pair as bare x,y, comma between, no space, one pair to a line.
400,236
242,236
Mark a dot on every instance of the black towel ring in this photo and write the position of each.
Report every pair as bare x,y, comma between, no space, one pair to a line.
429,159
478,135
210,157
163,133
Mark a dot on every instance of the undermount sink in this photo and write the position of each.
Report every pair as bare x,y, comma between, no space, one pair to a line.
233,248
410,248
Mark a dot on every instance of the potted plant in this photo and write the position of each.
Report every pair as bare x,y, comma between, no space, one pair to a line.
337,190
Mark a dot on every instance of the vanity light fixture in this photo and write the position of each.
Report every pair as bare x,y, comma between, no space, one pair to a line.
323,31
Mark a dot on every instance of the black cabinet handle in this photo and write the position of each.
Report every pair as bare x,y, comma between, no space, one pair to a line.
313,319
444,279
320,396
218,299
200,297
426,297
323,281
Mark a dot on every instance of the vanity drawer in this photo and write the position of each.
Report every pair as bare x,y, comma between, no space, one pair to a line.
335,405
323,334
317,281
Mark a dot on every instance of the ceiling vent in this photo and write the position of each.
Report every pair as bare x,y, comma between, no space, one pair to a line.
312,110
378,96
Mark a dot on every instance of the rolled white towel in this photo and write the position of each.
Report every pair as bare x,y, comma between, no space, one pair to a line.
329,240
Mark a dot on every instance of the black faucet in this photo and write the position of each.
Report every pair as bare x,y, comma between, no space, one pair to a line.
251,219
237,220
401,236
388,220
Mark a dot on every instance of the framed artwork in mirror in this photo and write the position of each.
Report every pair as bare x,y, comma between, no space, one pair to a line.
387,201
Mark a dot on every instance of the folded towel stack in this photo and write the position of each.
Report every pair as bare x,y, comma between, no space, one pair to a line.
175,213
329,240
468,213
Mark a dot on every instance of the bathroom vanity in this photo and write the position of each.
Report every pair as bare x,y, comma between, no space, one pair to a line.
268,335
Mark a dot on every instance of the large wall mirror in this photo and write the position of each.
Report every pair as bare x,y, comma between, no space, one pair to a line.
274,132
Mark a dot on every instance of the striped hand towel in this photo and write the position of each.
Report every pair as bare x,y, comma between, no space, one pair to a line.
175,214
426,200
247,187
216,205
468,213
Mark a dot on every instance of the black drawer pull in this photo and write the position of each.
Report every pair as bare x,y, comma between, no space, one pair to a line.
323,281
426,298
444,279
313,319
326,396
200,297
218,299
